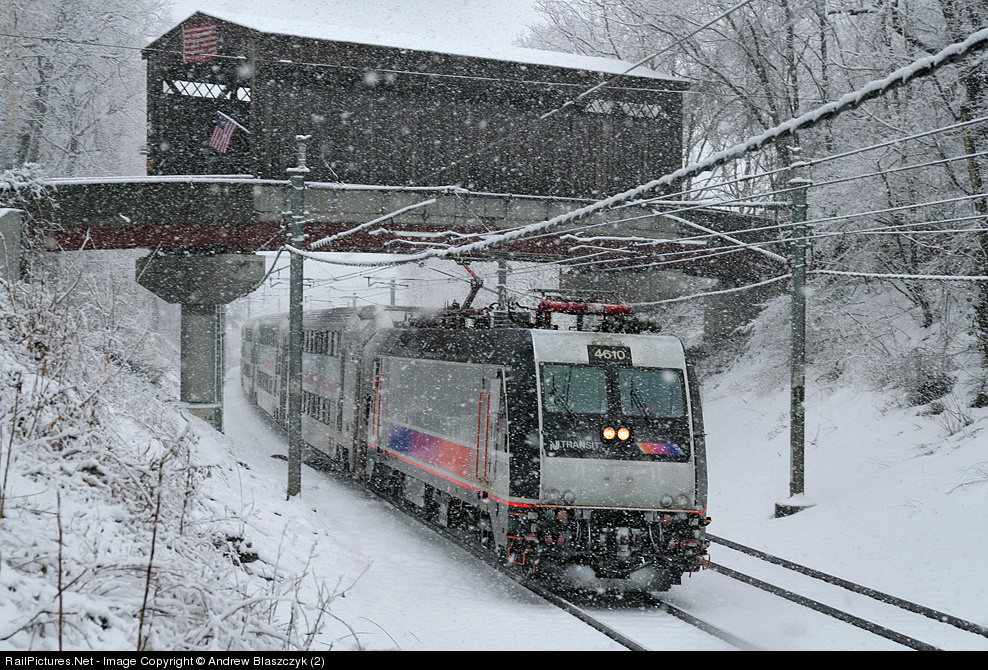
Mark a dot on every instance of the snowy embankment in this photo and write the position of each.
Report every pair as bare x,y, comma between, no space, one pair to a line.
108,539
127,524
896,458
897,494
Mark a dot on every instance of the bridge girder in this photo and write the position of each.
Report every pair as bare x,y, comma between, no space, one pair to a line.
243,215
218,223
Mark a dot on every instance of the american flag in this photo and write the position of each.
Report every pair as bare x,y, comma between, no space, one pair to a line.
199,42
222,132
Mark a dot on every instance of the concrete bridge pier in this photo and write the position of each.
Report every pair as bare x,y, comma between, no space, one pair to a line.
202,284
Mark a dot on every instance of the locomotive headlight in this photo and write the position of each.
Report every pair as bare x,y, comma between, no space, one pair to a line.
552,495
682,500
610,433
666,501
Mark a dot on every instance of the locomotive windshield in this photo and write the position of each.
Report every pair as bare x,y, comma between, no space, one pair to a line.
574,390
570,389
657,393
578,400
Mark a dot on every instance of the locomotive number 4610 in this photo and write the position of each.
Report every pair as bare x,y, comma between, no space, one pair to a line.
605,354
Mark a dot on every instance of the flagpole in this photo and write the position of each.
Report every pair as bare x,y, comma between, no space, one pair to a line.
233,121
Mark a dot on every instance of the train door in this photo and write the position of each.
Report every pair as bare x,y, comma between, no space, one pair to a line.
254,354
492,427
378,407
247,358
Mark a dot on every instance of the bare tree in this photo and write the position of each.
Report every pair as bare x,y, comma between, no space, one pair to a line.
71,83
770,60
749,71
928,25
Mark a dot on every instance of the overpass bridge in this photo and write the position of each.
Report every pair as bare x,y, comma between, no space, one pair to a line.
395,111
203,234
243,215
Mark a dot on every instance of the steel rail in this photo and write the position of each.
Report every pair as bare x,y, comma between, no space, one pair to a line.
321,463
886,598
840,615
492,561
705,626
562,603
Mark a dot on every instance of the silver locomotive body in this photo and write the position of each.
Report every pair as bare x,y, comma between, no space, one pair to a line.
574,454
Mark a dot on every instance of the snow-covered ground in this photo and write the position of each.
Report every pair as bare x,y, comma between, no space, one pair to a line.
897,498
898,493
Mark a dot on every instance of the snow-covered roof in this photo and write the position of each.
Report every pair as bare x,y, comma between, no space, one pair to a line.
296,27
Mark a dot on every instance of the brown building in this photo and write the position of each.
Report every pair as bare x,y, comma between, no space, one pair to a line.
404,114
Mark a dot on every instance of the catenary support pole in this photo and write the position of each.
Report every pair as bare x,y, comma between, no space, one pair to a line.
797,426
296,238
798,340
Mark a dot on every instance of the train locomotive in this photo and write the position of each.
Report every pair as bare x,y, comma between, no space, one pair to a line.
577,454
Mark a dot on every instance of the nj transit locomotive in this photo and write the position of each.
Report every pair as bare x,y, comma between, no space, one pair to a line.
575,453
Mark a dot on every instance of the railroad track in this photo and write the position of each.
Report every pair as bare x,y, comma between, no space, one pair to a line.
524,579
939,630
932,617
594,617
520,576
773,584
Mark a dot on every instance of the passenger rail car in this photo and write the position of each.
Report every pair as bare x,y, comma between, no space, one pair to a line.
577,454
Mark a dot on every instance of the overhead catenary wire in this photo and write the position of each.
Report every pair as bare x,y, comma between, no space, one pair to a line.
720,251
757,245
332,238
688,255
541,268
783,191
866,275
707,294
739,245
898,228
877,275
812,162
847,102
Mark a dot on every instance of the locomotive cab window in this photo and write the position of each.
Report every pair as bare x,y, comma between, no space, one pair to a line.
649,392
569,389
580,401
